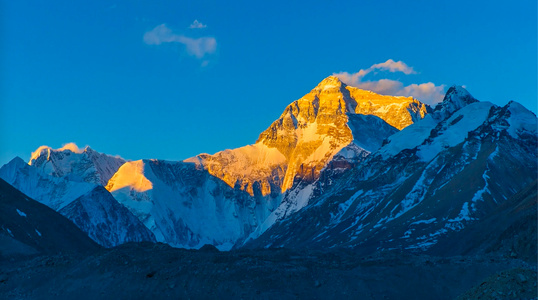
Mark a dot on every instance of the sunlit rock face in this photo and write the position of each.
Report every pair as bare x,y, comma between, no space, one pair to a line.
398,111
308,134
256,169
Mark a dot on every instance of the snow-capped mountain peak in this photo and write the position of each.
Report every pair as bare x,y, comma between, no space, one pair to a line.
46,150
333,126
84,165
427,182
331,83
455,98
310,131
521,120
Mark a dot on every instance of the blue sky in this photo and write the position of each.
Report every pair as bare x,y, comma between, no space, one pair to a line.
142,79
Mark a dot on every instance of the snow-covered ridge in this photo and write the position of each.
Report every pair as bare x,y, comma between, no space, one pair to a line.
69,146
245,166
55,192
455,98
83,165
521,120
453,132
464,113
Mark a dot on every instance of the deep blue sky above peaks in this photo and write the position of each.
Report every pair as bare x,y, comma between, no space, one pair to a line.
172,79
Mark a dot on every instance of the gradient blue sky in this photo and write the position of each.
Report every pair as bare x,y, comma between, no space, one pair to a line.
83,72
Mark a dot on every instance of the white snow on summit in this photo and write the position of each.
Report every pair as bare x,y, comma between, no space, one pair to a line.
521,120
457,127
55,192
409,137
83,165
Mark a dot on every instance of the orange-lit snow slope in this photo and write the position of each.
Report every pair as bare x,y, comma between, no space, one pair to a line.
130,174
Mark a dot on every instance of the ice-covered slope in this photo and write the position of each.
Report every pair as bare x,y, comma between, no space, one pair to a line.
432,178
85,165
185,206
86,204
55,192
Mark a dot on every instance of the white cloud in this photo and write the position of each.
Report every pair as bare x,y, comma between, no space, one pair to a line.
197,25
394,66
73,147
428,93
197,47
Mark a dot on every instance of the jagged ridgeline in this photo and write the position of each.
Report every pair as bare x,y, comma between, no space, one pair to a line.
341,167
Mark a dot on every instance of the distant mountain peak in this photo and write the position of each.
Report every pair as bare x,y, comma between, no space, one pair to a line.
41,150
17,160
459,92
455,98
80,164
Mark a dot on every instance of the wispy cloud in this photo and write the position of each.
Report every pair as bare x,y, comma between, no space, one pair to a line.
197,25
426,92
197,47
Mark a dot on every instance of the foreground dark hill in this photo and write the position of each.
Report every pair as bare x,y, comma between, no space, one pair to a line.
28,227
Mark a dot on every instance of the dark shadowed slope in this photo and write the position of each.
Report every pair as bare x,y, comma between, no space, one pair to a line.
29,227
105,220
509,230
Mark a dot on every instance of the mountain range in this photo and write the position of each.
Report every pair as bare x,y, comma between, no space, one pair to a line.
340,168
348,193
